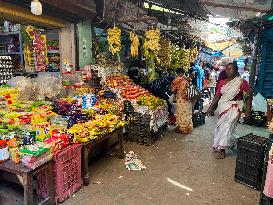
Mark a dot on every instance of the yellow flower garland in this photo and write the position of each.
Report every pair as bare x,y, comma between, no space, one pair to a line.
134,44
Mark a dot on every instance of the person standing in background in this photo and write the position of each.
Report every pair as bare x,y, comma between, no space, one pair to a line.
180,85
197,74
246,75
212,83
222,76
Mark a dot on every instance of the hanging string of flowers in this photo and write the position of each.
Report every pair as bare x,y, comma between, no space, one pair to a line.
134,44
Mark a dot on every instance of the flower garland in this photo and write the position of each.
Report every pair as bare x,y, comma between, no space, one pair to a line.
134,44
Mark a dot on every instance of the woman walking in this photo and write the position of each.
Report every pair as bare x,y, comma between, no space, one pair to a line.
229,98
183,105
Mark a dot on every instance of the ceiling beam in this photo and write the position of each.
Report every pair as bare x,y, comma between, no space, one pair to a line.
85,9
213,4
18,14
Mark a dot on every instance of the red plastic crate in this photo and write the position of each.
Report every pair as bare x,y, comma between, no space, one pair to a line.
67,174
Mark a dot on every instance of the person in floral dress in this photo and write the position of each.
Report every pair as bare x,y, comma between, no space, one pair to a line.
184,123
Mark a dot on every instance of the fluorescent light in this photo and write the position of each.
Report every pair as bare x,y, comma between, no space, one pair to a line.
258,14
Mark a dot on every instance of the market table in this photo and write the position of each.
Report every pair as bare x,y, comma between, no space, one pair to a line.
88,145
27,175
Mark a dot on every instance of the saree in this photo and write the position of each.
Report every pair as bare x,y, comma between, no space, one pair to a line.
184,123
228,112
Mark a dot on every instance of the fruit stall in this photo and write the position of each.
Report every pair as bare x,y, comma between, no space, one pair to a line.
34,133
38,127
49,124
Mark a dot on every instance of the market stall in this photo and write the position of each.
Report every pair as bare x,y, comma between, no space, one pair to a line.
57,116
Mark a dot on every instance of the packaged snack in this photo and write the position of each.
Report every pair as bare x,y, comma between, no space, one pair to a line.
14,152
34,150
4,151
13,143
29,137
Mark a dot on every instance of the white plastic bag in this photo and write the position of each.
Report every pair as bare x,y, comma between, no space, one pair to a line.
171,101
259,103
25,86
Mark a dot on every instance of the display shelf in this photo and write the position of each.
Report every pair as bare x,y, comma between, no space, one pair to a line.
10,53
53,51
9,33
29,74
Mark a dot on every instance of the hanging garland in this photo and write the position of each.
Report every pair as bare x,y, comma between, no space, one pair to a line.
151,48
134,44
114,41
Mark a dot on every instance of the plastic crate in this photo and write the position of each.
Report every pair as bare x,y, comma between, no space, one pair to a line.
249,163
67,174
264,200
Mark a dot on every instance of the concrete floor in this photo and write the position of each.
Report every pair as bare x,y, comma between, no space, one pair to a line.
181,170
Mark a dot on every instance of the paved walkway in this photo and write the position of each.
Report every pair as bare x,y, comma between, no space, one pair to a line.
181,170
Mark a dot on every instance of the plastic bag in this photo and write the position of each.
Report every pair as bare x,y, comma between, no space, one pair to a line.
24,85
259,103
172,102
47,85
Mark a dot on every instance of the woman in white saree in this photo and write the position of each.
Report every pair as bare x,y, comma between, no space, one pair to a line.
229,98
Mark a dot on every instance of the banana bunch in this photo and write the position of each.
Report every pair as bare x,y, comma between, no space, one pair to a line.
185,59
134,44
175,59
113,39
101,59
194,54
151,42
165,53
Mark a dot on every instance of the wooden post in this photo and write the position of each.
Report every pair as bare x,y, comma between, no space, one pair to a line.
254,61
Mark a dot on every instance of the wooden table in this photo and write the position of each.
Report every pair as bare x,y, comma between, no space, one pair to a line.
88,145
27,175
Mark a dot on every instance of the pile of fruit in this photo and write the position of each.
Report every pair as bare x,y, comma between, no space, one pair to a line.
118,81
102,124
150,101
109,106
132,92
125,87
134,44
